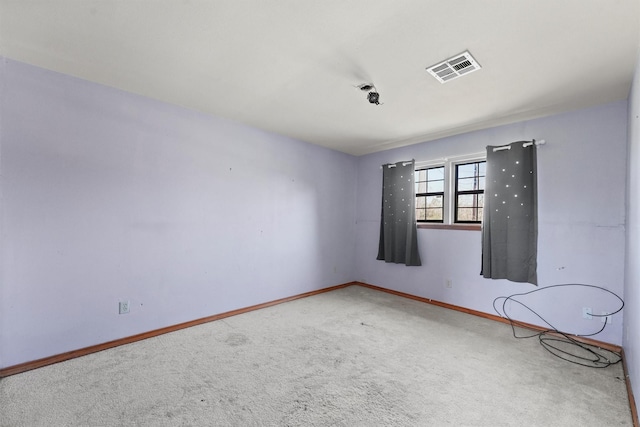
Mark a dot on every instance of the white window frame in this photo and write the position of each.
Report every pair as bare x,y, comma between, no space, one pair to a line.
449,164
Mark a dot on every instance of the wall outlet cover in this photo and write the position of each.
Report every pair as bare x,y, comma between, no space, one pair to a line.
123,307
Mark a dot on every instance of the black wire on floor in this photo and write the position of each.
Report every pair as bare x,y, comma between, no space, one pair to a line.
561,344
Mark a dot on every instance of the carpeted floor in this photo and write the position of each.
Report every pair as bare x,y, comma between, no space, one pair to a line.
350,357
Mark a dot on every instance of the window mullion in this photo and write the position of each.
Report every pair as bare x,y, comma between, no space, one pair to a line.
450,186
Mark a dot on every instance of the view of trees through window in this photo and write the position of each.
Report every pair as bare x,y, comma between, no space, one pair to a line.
469,198
430,194
468,192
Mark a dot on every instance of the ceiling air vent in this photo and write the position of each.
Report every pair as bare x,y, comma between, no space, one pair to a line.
454,67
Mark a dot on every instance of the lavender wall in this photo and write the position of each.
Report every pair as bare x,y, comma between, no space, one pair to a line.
631,339
107,196
581,180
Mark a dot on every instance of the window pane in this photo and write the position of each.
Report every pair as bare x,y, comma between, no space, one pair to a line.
466,170
469,214
421,187
480,200
422,175
421,202
469,170
434,214
421,214
481,183
436,173
468,184
465,214
466,200
435,186
434,201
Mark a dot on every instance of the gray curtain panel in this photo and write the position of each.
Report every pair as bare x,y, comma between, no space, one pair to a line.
398,231
510,219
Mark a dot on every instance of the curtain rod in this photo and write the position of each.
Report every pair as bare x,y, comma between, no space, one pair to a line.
504,147
393,165
525,144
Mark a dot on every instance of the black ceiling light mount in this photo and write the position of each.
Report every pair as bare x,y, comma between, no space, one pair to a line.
373,96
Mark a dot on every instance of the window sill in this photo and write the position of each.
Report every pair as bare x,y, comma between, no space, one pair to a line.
465,227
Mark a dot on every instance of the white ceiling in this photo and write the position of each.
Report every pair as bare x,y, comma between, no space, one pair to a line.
290,66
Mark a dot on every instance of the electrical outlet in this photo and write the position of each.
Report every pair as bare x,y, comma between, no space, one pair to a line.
606,317
448,283
587,313
123,307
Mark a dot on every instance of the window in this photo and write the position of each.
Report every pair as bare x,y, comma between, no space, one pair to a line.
469,192
430,194
451,191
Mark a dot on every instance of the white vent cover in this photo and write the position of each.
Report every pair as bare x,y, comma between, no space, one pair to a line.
454,67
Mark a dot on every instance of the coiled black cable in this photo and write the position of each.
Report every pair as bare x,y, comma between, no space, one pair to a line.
561,344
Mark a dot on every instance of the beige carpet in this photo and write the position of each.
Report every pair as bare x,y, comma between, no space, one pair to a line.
351,357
